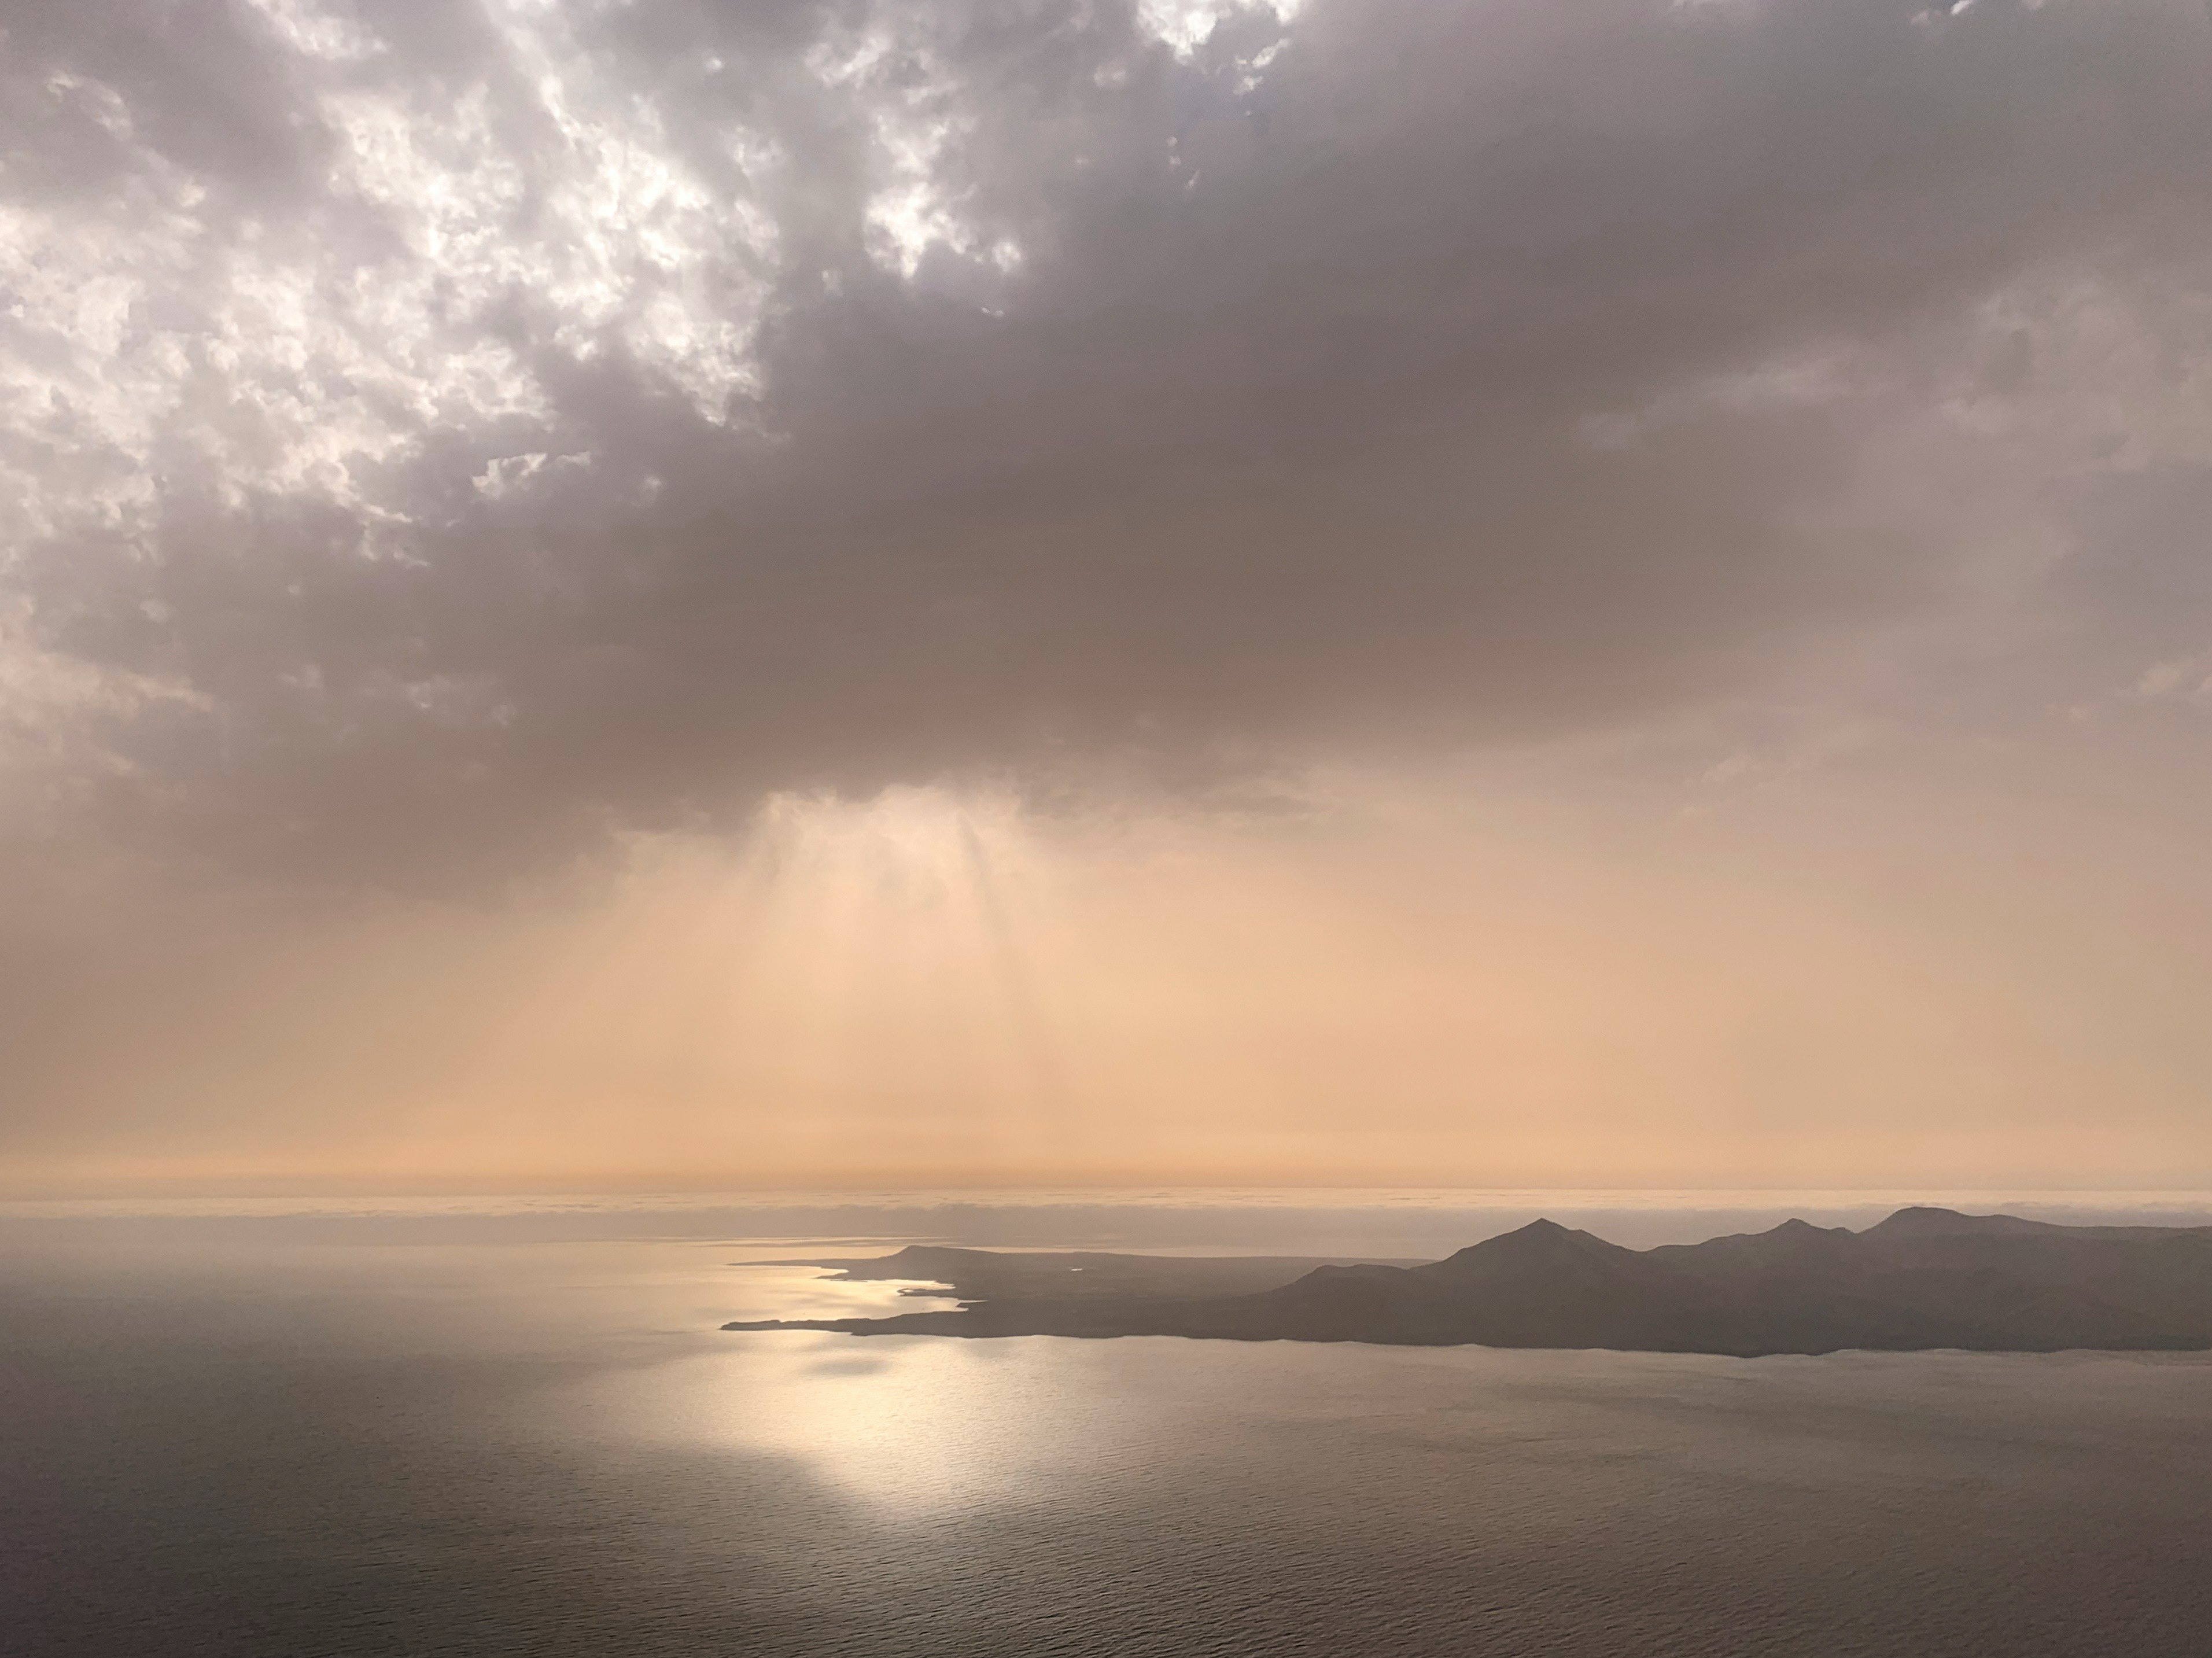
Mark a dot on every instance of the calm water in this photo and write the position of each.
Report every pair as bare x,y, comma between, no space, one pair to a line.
216,1440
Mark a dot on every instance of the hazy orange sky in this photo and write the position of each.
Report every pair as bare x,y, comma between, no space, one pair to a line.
1383,985
1520,595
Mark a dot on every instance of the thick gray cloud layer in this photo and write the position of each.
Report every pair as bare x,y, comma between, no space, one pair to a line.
435,435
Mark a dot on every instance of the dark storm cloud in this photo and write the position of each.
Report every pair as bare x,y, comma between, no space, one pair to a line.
442,436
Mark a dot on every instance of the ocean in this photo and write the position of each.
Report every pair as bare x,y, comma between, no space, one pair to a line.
516,1428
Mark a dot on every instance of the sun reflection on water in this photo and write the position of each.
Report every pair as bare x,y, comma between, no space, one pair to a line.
915,1425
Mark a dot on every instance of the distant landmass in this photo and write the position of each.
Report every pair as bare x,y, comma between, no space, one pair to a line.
1924,1277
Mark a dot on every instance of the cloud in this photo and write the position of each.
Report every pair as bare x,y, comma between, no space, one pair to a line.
434,438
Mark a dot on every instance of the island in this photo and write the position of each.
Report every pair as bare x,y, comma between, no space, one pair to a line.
1924,1277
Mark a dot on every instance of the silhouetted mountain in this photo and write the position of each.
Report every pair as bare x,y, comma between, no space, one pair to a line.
1924,1278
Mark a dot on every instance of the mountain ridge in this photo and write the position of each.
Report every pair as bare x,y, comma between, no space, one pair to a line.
1923,1278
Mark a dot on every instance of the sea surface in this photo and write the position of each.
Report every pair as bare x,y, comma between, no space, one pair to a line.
515,1428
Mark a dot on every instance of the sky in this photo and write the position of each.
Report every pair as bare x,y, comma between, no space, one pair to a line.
638,593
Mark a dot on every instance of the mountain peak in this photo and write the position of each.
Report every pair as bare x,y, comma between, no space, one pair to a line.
1539,1242
1542,1234
1928,1221
1925,1219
